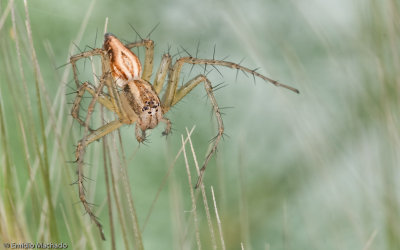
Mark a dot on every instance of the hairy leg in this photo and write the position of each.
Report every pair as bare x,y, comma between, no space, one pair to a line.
140,134
162,73
184,90
168,126
106,78
75,58
104,100
80,152
177,67
149,56
95,135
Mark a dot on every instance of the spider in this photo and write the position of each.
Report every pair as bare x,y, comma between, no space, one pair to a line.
131,96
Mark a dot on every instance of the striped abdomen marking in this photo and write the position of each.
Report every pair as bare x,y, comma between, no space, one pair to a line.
124,64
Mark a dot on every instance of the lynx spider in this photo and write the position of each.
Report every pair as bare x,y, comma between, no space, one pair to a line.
132,98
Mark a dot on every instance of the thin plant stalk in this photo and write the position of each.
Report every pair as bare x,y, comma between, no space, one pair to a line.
164,181
203,193
45,165
218,220
195,220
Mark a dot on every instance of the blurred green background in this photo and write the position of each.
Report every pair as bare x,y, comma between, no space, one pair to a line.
317,170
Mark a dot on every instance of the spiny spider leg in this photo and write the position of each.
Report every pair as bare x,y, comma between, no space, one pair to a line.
86,86
168,126
209,91
112,90
80,149
73,59
105,62
174,76
149,56
114,103
162,73
115,100
117,103
172,95
184,90
106,77
80,152
97,134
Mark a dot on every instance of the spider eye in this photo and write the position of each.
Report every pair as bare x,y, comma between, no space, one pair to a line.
124,64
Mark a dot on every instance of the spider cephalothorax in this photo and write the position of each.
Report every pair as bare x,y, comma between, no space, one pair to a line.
146,104
131,96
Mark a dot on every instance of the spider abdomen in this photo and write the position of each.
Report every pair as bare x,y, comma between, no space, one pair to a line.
124,64
145,103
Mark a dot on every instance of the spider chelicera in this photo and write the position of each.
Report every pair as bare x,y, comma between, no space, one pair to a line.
131,96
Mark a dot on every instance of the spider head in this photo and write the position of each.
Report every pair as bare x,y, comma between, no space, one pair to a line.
124,64
145,103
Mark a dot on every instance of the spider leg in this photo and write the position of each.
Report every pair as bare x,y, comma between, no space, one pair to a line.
172,95
139,134
86,86
106,77
149,56
184,90
114,102
162,73
115,96
73,59
95,135
168,127
175,73
79,153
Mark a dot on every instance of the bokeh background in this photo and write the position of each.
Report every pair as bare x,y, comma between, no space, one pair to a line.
318,170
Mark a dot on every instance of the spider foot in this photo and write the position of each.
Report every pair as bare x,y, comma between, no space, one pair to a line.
140,134
166,133
167,130
141,139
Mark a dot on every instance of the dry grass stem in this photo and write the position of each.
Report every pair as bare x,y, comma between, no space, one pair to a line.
107,179
164,181
5,13
117,197
370,240
203,193
195,220
135,223
218,220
